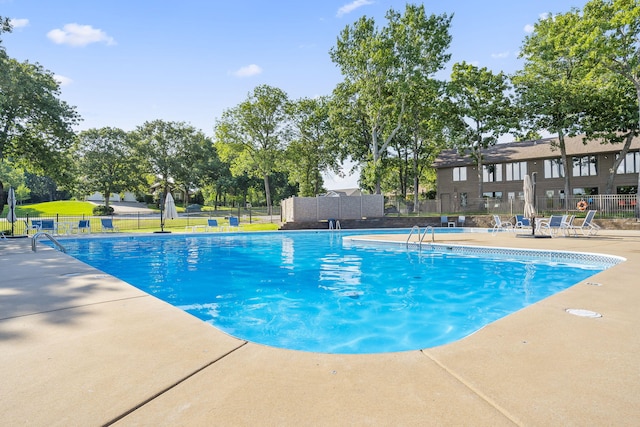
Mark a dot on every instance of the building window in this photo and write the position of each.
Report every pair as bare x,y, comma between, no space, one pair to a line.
630,164
492,173
516,171
553,168
460,174
585,166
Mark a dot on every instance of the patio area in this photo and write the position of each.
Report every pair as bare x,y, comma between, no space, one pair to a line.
79,347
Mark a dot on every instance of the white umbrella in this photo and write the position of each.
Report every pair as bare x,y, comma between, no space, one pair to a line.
11,201
529,207
170,211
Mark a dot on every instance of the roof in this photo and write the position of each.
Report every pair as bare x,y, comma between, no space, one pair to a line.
546,148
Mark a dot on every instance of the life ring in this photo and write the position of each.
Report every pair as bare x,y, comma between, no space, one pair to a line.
582,205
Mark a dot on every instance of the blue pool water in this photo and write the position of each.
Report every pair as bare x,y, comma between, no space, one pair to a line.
310,291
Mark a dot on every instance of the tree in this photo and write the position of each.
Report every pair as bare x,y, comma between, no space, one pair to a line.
313,148
35,125
107,162
165,146
253,135
481,102
425,123
610,32
552,87
381,66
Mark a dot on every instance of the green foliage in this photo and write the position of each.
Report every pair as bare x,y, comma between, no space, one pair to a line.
484,110
313,149
253,135
103,210
381,68
108,162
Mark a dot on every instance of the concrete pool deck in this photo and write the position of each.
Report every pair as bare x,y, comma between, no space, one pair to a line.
79,347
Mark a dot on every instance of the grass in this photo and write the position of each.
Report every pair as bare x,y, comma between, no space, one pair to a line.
62,207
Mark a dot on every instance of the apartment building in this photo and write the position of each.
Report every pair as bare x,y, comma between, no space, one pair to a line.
505,166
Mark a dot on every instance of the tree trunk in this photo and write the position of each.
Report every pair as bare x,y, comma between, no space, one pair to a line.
614,170
568,168
267,193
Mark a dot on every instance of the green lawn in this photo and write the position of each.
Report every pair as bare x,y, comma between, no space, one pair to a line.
76,209
62,207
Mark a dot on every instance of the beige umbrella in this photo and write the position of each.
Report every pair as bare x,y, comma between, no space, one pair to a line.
529,207
169,211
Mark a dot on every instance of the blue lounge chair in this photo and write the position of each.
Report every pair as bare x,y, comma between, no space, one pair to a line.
522,222
588,227
212,225
84,225
107,224
45,225
234,222
552,225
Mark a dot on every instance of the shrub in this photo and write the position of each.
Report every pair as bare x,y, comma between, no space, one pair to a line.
102,210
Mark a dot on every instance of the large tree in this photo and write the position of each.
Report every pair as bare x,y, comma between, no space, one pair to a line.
252,136
552,87
165,147
381,67
313,148
107,162
610,38
480,99
35,124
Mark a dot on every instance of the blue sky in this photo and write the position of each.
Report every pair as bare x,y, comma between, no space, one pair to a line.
124,62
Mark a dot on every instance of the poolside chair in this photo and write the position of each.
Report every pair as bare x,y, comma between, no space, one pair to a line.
234,222
107,224
444,220
552,225
84,225
461,220
212,225
522,222
499,224
45,225
588,227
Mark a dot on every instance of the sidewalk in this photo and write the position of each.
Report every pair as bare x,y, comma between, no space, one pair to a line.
79,347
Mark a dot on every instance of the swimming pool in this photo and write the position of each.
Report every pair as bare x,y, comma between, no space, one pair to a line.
311,291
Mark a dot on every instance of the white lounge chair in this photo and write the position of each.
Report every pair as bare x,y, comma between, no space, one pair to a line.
588,227
499,224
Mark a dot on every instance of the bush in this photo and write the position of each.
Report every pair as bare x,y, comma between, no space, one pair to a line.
102,210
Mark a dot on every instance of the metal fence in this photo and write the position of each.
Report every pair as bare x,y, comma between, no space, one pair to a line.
135,222
607,205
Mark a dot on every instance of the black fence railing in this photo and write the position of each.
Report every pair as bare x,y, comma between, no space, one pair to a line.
131,222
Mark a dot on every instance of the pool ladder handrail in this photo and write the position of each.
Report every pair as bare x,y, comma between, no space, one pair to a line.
337,225
50,237
421,236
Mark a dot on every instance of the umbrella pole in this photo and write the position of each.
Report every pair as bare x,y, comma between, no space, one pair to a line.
161,219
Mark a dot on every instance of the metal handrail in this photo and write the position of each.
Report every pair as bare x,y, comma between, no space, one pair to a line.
422,235
426,230
50,237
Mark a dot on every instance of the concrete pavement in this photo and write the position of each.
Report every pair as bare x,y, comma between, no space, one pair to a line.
79,347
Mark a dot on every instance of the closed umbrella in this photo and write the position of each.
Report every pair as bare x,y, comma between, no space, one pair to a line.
11,201
529,207
170,211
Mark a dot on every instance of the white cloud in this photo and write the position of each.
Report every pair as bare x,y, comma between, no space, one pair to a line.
79,35
19,23
62,80
529,27
500,55
248,71
348,8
